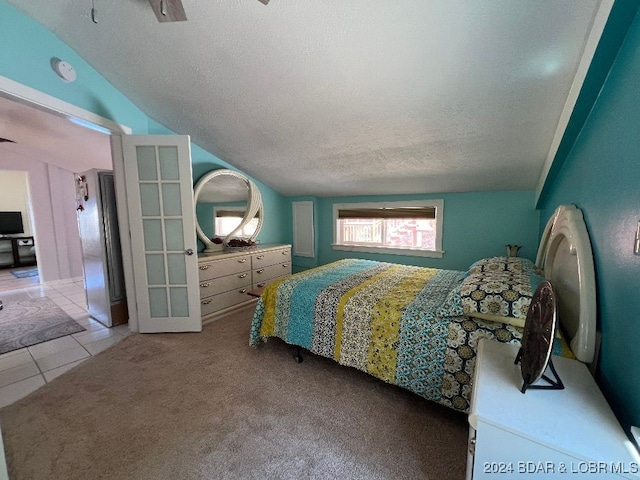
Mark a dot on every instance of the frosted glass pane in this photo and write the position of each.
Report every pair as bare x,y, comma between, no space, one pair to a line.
169,163
177,269
152,235
174,234
155,269
149,199
147,169
179,302
171,199
158,305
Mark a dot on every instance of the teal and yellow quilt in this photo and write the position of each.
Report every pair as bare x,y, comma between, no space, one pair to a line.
380,318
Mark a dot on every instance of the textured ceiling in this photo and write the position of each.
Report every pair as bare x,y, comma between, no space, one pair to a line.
331,97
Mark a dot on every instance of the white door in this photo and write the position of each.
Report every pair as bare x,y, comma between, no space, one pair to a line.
159,192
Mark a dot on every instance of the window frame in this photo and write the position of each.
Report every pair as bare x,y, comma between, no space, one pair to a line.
438,204
242,212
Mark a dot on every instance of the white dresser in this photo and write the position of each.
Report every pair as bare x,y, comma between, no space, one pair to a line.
226,277
542,434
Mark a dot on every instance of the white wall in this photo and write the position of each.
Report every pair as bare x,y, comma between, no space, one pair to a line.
55,227
14,196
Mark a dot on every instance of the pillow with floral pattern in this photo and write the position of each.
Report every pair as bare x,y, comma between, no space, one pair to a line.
502,297
504,264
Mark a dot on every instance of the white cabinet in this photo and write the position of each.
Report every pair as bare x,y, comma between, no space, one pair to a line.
542,434
227,277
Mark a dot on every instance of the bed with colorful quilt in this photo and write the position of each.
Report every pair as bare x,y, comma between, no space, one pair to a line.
410,326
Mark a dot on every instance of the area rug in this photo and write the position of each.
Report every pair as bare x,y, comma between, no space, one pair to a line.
32,272
28,322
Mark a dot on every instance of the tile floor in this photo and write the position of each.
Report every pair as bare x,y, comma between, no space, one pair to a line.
25,370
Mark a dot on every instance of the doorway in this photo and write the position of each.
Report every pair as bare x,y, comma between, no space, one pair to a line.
49,140
18,260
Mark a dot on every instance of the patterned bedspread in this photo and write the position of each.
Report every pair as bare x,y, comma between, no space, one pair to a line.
380,318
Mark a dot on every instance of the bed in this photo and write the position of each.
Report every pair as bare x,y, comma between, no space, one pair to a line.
418,328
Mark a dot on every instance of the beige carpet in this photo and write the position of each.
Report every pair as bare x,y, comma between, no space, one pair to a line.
207,406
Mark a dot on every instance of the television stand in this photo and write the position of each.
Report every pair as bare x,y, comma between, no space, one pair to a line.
17,252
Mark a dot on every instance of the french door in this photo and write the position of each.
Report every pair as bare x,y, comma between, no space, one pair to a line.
160,209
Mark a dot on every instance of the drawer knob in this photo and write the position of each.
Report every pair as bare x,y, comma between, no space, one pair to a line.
284,252
204,267
244,290
242,260
205,285
260,271
243,275
261,285
206,302
285,265
260,257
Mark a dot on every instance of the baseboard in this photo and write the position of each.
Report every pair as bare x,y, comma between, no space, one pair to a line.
63,281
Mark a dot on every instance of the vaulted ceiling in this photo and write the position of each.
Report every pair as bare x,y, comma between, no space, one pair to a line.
350,97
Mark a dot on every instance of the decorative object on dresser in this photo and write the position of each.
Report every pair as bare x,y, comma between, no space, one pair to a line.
223,196
537,341
226,278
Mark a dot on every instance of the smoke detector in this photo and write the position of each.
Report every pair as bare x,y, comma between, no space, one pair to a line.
63,69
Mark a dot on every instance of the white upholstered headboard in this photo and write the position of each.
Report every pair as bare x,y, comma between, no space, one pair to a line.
566,258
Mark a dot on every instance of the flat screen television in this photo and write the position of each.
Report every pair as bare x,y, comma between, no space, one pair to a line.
11,223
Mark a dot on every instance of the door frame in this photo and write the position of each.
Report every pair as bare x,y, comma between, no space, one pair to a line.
36,99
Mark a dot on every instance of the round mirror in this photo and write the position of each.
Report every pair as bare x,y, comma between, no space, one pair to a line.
228,208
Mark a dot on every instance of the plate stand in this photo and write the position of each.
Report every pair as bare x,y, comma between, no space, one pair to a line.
552,383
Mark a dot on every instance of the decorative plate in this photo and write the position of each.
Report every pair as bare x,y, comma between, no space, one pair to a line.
539,333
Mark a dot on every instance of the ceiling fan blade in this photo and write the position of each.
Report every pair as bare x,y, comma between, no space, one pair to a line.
168,10
6,140
264,1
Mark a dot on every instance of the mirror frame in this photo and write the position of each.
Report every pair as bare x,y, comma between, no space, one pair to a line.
254,208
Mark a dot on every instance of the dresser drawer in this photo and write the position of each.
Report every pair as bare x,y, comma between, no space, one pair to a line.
263,283
273,257
224,284
221,301
222,268
272,271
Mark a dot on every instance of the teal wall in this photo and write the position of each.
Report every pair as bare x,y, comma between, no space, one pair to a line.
26,49
476,225
601,175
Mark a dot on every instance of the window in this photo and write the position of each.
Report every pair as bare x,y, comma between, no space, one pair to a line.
226,219
400,228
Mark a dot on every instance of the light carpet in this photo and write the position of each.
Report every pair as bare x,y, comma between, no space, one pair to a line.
207,406
29,322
